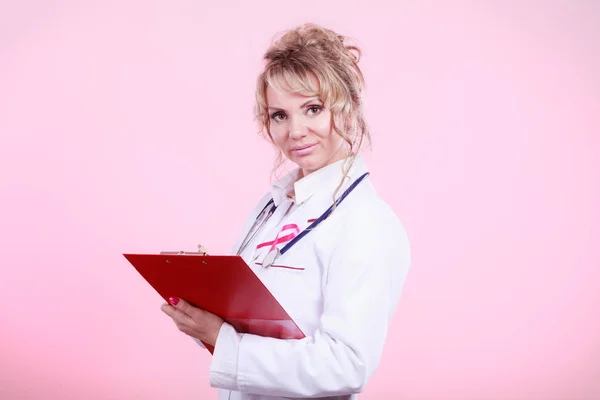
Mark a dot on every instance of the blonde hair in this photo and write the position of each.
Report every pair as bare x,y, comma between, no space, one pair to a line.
313,51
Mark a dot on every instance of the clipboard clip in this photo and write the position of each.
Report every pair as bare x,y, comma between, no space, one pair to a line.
201,252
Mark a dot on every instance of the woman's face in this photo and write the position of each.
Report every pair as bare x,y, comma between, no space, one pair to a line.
301,128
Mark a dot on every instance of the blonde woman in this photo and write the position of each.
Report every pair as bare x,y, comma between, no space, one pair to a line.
331,251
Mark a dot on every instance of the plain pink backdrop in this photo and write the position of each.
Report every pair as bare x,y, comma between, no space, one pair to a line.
126,126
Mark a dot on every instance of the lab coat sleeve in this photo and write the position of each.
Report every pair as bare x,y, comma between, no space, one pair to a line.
367,270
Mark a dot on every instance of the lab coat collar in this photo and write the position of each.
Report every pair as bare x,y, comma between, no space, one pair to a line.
324,180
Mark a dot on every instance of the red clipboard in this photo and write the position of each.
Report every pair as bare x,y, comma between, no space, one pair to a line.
222,285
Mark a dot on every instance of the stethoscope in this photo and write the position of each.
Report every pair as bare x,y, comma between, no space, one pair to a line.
264,215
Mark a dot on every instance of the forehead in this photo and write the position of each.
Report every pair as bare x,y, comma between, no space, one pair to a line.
289,89
286,99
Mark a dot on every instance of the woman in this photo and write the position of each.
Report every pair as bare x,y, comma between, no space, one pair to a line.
341,280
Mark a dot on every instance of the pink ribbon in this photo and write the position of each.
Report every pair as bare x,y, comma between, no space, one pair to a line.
282,239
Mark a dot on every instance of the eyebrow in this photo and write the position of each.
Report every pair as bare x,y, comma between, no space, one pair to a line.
303,104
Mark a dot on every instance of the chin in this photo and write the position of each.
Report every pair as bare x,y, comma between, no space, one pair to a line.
310,165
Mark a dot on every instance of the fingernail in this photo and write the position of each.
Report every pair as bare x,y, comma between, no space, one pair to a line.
173,300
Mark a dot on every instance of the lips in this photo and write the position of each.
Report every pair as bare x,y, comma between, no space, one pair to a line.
302,150
297,148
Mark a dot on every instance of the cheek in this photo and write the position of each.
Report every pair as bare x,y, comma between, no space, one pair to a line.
322,128
278,135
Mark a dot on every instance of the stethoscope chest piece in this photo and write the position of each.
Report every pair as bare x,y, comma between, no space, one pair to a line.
270,258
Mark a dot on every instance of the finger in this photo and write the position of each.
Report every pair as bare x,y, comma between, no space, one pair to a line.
185,307
178,316
183,322
169,310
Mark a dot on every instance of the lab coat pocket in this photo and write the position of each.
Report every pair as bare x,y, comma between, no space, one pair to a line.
280,263
283,266
287,267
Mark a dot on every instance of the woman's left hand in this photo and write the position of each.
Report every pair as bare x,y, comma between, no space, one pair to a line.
193,321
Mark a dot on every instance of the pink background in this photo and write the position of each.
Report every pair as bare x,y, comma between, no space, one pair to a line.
126,126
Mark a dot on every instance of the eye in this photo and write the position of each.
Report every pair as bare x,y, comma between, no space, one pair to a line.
314,110
278,116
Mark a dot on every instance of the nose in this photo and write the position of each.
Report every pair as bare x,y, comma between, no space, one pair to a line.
298,128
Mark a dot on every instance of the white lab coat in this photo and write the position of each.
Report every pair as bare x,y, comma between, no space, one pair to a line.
341,287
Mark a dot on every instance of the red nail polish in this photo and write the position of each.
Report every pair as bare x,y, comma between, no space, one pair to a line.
173,300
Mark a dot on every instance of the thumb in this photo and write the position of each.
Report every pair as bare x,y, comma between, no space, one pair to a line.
182,305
